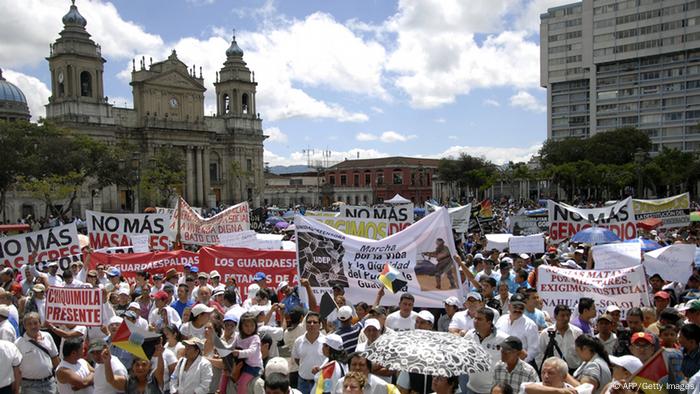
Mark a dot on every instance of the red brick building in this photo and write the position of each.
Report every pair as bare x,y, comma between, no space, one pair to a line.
372,181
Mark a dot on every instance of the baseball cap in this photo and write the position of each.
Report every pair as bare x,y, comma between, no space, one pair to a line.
578,251
233,316
161,295
135,305
504,265
524,256
4,310
97,345
662,294
512,343
253,290
454,301
217,292
194,269
653,232
334,341
215,274
187,266
612,308
693,305
344,313
281,286
642,336
130,314
475,295
114,271
517,299
373,323
38,288
52,264
203,275
123,291
259,276
478,256
201,308
194,341
277,365
115,320
157,277
605,316
631,363
92,273
427,316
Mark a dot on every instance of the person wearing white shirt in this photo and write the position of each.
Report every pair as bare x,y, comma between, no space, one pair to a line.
490,339
99,351
193,373
517,325
199,318
51,277
565,335
161,309
307,353
39,357
7,330
136,318
374,384
405,318
74,375
169,362
10,358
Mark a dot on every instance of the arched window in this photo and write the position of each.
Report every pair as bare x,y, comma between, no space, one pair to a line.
61,89
85,84
244,103
226,104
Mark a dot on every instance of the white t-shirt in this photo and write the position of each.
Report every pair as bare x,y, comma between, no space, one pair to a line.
101,384
82,370
189,330
398,323
175,349
10,356
81,329
169,358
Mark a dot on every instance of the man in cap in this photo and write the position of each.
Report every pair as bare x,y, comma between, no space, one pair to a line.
199,318
644,345
463,321
51,278
99,351
39,357
202,279
662,300
512,370
348,332
515,324
193,373
692,311
6,278
215,279
171,276
162,314
564,335
331,343
452,306
485,334
135,308
425,321
604,326
36,302
371,331
624,367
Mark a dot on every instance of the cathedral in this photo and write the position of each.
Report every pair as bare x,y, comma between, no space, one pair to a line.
223,154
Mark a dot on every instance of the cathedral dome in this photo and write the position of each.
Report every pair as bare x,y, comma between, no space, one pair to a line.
73,17
10,92
234,49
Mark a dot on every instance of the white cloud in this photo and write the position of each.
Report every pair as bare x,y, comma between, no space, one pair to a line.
492,103
365,137
525,100
497,155
392,136
275,135
296,158
529,18
36,92
29,28
377,110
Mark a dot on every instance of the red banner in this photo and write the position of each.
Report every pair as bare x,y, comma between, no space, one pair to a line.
243,263
153,262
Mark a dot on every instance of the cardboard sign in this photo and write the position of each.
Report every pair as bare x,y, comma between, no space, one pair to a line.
196,230
625,288
526,244
673,211
52,244
459,216
243,263
115,229
565,221
498,241
674,263
422,253
617,255
74,305
239,239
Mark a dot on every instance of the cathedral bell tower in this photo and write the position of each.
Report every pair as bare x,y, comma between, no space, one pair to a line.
235,87
77,68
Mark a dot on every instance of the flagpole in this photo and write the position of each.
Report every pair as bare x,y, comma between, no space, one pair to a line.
178,243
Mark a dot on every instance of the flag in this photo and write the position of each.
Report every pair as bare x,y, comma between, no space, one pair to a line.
486,211
653,372
390,278
324,384
140,343
327,306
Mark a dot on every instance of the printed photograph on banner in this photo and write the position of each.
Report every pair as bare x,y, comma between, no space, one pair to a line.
320,260
436,270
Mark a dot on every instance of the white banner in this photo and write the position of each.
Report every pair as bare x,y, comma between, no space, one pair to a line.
673,211
674,263
565,220
625,288
497,241
422,253
617,255
73,305
196,230
398,216
52,244
459,216
239,239
526,244
140,243
115,229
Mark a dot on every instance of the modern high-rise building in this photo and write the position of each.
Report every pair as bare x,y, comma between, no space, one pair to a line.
628,63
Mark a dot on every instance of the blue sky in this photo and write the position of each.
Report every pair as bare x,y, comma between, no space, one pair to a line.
370,77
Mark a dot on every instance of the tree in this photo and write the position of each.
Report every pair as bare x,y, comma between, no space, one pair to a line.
14,139
162,176
610,147
467,171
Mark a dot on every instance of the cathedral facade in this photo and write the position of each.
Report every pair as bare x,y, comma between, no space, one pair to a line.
223,154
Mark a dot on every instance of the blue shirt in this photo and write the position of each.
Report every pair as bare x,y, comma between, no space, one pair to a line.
582,324
538,317
180,306
291,301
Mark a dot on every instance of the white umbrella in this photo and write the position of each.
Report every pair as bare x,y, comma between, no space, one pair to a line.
398,200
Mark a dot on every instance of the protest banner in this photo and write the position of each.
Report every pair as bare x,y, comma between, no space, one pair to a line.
257,219
116,249
498,241
673,211
422,253
140,243
528,224
152,262
115,229
459,216
565,220
625,288
674,263
59,244
243,263
74,305
196,230
398,216
239,239
526,244
314,214
617,255
361,227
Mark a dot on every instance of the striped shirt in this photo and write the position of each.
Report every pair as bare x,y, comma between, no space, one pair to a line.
350,334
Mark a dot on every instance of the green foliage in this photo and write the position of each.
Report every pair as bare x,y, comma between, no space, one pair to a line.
610,147
162,176
474,172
